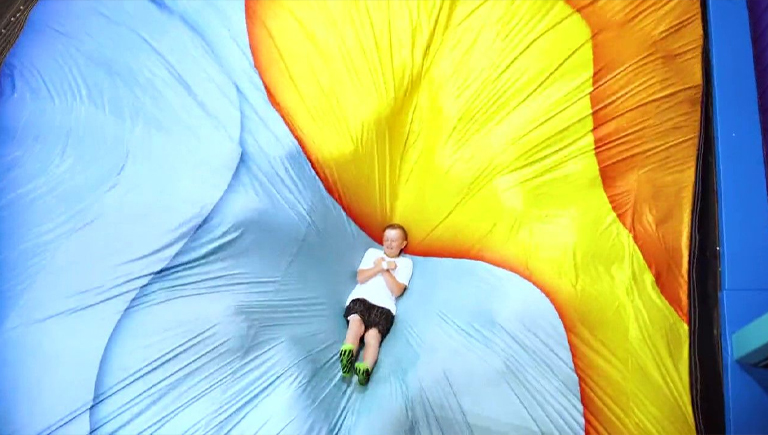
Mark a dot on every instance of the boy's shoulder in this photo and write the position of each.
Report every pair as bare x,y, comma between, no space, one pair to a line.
403,258
374,251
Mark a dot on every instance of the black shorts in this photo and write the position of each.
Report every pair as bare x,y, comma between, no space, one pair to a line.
373,316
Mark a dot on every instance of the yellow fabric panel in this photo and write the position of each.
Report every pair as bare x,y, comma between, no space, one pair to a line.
471,124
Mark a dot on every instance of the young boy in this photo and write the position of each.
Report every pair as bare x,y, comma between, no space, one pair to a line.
382,277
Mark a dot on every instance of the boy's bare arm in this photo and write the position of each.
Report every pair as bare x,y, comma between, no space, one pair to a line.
395,287
364,275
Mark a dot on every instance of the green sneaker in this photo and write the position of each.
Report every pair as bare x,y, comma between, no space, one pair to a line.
363,373
347,359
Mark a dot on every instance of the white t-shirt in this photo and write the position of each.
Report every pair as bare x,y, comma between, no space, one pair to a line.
375,290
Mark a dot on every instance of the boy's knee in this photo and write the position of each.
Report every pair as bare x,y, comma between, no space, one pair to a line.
372,336
356,322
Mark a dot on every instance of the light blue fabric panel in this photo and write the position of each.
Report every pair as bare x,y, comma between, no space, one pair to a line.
172,264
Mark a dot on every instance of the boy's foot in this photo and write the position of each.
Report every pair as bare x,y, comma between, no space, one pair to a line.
363,373
347,359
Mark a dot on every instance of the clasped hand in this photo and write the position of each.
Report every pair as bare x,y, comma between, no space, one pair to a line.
390,265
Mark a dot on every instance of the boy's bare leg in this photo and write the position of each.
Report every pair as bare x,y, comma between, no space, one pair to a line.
372,343
370,356
348,350
354,331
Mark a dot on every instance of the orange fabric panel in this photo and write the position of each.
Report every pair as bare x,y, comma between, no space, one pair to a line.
646,102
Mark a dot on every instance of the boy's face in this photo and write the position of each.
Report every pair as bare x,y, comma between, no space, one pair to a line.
393,242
